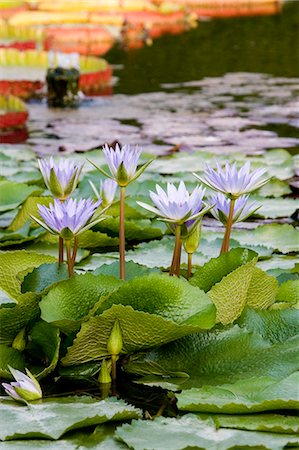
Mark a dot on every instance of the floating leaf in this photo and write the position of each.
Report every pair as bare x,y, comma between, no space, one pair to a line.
13,194
44,276
133,270
10,357
44,343
262,290
140,330
137,230
46,248
230,294
288,292
251,395
219,357
28,208
67,303
94,239
275,326
12,263
50,418
214,270
169,297
190,431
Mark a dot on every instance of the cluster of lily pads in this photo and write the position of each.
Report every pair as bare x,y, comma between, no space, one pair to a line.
207,334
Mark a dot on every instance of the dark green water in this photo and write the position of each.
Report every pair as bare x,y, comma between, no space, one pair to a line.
263,44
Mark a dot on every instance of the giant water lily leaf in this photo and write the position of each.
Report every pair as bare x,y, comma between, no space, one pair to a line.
13,319
191,432
140,330
13,194
67,303
219,357
273,423
214,270
275,326
251,395
9,356
29,207
44,343
94,239
11,263
169,297
52,417
44,276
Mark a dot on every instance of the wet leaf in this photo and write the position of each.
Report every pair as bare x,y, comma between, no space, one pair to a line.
13,194
44,276
10,357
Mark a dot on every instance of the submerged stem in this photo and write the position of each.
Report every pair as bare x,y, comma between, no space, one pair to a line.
122,260
226,238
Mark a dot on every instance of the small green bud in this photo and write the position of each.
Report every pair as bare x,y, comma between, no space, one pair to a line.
19,342
54,185
67,234
104,375
122,176
115,341
191,242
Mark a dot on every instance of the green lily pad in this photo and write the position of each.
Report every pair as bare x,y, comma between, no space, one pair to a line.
10,357
95,239
214,270
219,356
46,248
275,326
288,292
12,263
28,208
169,297
273,423
251,395
274,188
67,303
44,343
13,319
273,208
190,432
50,418
140,330
137,230
13,194
43,277
133,270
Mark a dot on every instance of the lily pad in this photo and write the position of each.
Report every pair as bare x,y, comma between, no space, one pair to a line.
251,395
50,418
190,431
67,303
288,292
140,330
133,270
13,194
10,357
44,276
28,208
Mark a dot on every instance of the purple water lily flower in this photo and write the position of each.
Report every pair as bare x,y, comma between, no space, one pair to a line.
60,178
176,205
242,209
26,388
107,191
232,182
122,163
69,218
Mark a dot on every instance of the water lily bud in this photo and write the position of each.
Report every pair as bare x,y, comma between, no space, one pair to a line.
104,375
19,342
191,242
115,341
25,389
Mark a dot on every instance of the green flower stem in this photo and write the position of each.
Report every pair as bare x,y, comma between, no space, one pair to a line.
226,238
189,273
122,234
178,260
60,253
69,258
176,251
113,367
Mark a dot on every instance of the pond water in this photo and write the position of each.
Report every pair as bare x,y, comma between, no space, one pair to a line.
227,86
261,44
